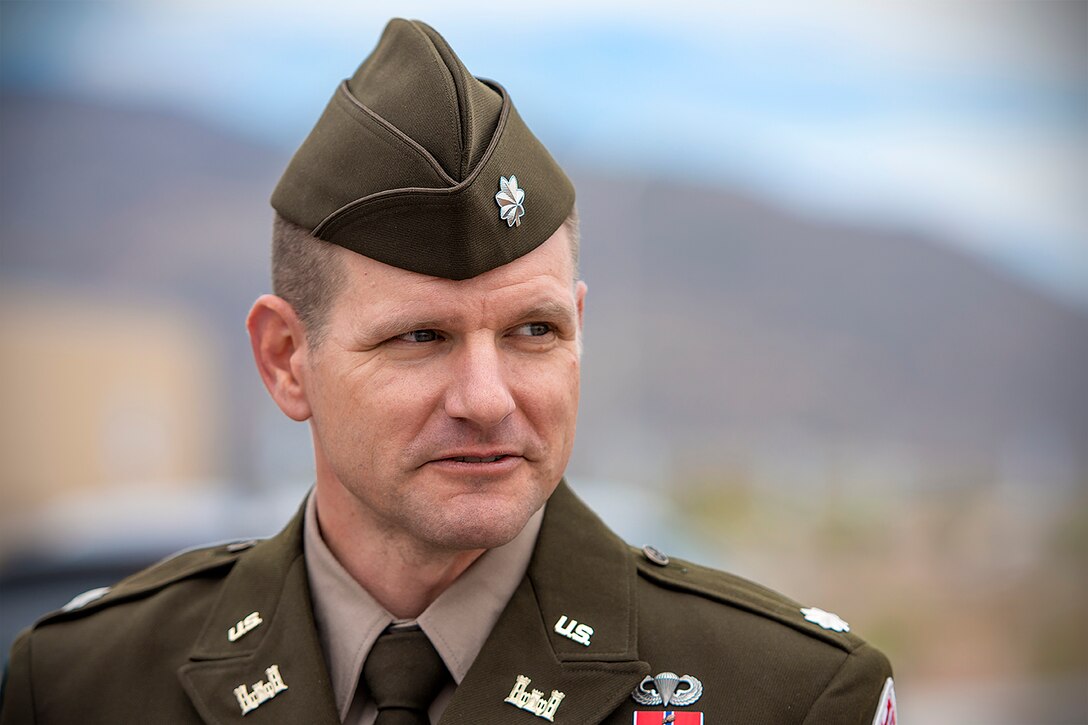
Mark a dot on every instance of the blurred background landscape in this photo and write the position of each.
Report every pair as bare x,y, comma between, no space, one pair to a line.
837,327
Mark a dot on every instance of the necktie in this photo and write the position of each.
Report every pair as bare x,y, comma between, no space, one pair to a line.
403,673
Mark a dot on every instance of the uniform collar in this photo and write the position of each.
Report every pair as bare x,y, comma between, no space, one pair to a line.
458,622
582,571
269,580
579,569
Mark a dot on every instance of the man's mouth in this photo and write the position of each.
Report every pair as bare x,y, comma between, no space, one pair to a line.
474,459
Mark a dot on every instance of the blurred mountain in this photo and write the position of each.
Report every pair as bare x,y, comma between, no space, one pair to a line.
133,206
724,330
721,329
131,198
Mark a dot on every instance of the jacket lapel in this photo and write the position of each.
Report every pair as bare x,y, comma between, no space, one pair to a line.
580,570
278,660
583,572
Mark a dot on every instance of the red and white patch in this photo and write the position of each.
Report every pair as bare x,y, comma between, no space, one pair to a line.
668,717
885,711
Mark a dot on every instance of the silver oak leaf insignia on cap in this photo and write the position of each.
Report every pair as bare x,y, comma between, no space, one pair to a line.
510,200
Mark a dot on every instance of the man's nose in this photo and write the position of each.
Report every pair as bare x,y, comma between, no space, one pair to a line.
478,390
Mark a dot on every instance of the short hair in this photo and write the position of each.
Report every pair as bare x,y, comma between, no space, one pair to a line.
574,231
307,274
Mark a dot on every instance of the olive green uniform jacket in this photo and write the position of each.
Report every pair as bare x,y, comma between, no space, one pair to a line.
156,649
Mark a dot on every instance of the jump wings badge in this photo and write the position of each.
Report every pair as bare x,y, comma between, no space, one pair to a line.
665,690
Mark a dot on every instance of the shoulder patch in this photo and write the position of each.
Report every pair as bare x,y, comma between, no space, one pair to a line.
174,568
743,594
885,709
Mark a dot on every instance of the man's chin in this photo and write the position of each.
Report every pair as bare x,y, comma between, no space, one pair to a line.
480,521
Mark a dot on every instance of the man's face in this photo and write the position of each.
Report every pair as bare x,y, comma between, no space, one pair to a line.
446,409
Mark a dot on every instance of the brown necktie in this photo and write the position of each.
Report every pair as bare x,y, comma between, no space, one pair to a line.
403,673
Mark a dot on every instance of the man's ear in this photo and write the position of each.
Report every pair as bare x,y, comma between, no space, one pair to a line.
279,349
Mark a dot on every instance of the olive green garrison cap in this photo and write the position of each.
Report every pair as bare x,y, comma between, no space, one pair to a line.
420,165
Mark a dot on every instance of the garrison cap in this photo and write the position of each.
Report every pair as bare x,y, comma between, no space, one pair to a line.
420,165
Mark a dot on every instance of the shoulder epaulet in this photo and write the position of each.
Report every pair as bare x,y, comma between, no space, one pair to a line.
174,568
739,592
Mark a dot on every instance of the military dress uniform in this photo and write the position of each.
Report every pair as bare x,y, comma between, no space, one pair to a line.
350,622
156,647
417,164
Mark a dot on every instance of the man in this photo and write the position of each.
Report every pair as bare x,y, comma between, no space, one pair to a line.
427,324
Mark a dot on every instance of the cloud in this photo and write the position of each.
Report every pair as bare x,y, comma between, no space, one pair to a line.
969,120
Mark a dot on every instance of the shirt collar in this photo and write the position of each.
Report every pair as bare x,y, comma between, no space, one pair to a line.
458,622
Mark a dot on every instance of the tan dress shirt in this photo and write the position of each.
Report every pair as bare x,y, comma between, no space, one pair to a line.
349,620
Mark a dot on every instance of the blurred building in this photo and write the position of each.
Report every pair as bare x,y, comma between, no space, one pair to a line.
99,396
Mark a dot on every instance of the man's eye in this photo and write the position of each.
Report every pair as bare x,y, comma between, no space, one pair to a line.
419,336
534,329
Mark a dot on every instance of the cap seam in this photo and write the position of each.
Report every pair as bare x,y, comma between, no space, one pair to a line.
331,220
436,58
398,134
460,88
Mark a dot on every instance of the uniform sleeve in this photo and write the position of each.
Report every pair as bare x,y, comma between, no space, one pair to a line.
854,693
16,695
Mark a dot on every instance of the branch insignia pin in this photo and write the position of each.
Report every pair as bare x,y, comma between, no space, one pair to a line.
533,701
262,691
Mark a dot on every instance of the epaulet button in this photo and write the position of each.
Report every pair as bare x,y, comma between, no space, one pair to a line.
655,555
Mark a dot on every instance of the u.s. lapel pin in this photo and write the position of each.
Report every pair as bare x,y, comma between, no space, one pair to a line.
251,622
262,692
533,701
570,629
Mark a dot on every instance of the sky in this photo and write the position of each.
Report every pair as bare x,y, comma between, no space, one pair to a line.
963,120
